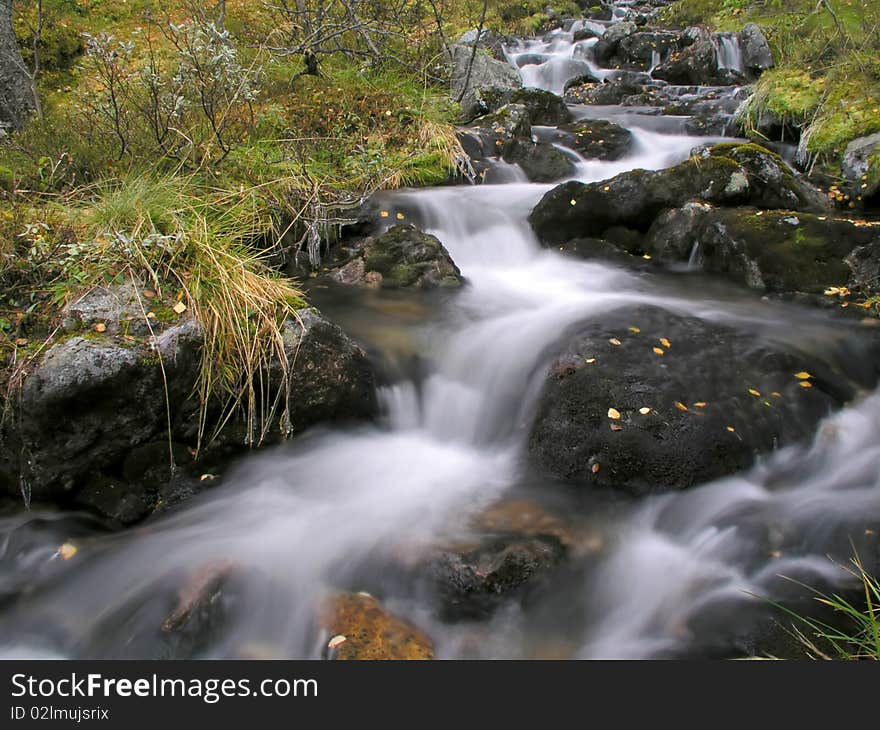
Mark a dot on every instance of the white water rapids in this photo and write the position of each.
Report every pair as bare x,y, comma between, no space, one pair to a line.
314,515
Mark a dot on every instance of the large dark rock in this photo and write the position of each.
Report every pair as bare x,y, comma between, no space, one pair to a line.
91,424
543,107
541,161
723,175
717,398
402,257
473,579
776,251
606,47
693,65
615,90
595,139
639,49
756,53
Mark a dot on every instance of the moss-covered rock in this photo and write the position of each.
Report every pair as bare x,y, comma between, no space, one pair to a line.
775,251
723,175
401,257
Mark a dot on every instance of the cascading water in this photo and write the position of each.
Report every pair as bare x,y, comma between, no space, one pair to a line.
729,52
334,508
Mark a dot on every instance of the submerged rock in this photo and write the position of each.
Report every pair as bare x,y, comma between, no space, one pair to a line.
402,257
776,251
473,579
361,628
681,400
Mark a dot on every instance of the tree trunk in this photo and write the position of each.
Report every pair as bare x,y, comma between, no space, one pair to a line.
16,91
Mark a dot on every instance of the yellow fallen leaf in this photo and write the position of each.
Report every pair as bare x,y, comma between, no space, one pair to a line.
613,413
100,327
701,404
400,216
666,343
180,308
658,351
756,393
207,477
731,429
383,213
776,394
595,469
681,406
151,315
614,341
336,641
21,342
634,330
803,375
590,361
574,202
644,411
67,551
805,384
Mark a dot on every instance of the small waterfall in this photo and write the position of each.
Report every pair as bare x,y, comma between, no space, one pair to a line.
728,52
694,258
655,60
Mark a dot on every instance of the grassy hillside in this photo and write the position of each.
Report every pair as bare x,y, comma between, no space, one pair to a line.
827,80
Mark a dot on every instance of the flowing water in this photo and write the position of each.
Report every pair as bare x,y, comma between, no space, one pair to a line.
662,576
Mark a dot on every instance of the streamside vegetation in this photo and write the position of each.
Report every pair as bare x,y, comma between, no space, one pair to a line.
824,91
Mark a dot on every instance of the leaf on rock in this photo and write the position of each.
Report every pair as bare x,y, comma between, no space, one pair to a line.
805,384
803,375
613,414
614,341
658,351
595,469
100,327
681,406
756,393
616,427
644,411
635,330
180,308
666,343
731,429
701,404
590,360
67,551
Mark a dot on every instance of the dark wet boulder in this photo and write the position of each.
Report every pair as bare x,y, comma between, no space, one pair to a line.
403,257
614,90
595,139
634,199
648,400
541,161
642,48
359,627
91,422
756,53
488,86
722,175
694,64
776,251
472,579
606,48
774,184
543,107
